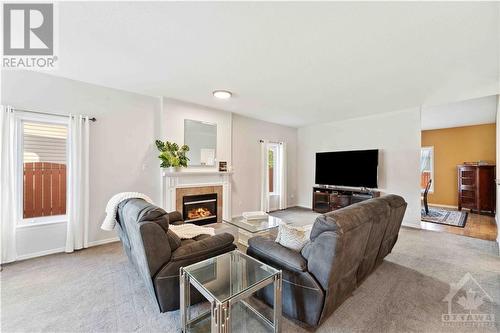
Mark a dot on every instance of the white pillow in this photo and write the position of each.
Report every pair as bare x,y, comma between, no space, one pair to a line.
293,238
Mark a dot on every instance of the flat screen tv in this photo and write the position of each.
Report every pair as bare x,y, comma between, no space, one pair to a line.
357,168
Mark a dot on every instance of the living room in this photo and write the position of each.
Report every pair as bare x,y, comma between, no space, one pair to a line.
255,100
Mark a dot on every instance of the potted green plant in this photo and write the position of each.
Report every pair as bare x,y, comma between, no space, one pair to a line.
172,156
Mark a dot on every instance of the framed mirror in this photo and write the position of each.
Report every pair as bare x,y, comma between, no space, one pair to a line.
201,137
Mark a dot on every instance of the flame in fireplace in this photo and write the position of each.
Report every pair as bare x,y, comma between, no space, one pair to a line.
197,213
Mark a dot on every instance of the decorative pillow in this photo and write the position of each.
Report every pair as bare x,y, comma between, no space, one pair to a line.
293,238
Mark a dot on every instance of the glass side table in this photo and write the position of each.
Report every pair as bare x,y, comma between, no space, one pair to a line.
226,281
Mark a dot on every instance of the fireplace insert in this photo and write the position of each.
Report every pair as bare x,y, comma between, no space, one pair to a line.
200,209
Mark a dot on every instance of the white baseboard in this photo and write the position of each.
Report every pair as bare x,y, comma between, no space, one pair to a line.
62,249
39,254
444,206
305,207
410,223
104,241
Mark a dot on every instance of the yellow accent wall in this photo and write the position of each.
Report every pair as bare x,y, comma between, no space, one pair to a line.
453,146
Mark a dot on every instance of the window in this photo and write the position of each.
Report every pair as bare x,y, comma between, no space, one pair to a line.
427,167
44,170
273,169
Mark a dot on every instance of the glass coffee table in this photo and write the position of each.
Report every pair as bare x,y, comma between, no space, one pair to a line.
227,281
250,228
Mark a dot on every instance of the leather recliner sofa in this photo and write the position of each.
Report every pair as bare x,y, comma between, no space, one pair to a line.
345,247
157,253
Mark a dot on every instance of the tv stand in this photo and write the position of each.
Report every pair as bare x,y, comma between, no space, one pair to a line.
329,198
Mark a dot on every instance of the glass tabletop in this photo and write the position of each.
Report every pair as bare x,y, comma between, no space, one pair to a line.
229,274
256,225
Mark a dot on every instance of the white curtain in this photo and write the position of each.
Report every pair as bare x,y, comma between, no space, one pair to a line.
282,173
9,201
78,183
425,159
264,176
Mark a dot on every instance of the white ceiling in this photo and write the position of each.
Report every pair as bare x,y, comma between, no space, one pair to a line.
465,113
291,63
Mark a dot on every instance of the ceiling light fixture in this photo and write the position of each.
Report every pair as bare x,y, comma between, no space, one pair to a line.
222,94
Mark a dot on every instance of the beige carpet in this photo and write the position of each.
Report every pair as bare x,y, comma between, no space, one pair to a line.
97,290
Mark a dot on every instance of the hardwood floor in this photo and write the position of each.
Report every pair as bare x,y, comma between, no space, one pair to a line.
477,226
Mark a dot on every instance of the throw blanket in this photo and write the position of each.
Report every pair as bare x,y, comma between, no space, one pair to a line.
189,230
112,206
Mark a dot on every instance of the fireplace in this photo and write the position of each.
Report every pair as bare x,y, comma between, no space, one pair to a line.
200,208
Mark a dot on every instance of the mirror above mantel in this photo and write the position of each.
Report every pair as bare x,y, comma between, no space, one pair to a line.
201,137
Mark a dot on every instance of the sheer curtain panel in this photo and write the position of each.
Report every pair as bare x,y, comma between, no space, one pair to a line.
78,183
9,199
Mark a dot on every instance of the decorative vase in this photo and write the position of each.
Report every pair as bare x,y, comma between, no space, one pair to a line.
174,169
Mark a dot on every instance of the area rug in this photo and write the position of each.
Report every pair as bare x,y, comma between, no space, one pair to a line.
448,217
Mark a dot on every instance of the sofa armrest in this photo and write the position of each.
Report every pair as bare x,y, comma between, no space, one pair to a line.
175,218
276,254
203,247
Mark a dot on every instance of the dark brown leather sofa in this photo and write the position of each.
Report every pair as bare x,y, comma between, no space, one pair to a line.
345,247
157,253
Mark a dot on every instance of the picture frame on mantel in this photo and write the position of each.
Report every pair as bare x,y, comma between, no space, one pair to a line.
222,166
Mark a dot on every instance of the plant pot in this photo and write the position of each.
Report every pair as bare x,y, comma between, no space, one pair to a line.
174,169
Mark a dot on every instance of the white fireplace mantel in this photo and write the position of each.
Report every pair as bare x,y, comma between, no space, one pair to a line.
182,179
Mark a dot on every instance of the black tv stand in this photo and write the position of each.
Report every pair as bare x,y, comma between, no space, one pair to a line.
328,198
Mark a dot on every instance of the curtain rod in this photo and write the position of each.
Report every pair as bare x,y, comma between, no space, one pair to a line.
49,114
280,143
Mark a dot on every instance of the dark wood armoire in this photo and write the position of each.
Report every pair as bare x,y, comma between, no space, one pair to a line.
476,188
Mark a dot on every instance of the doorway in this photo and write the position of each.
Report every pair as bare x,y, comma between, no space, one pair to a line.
457,181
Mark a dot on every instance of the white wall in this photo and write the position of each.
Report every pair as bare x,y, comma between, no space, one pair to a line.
497,218
122,156
470,112
396,134
246,158
237,143
172,126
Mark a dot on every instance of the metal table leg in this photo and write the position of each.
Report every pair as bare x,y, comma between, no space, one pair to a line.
277,302
185,301
221,317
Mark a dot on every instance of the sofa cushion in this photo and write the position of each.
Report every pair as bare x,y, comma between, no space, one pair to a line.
173,240
280,256
193,240
397,212
194,248
379,218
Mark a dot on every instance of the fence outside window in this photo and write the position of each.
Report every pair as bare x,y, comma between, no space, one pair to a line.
44,189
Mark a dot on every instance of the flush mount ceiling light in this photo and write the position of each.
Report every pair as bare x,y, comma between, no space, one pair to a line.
222,94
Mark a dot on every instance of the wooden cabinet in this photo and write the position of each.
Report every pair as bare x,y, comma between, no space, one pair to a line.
326,199
321,202
476,188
